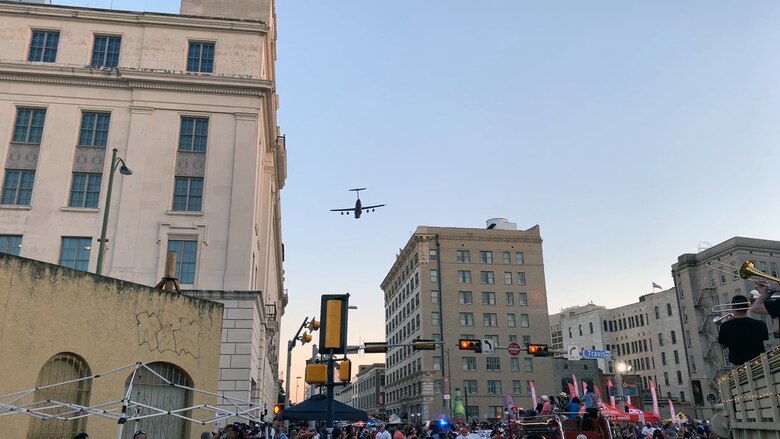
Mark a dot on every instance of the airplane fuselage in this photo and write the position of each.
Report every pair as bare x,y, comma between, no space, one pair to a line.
358,208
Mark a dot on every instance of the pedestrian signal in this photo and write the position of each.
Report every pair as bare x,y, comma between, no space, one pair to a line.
465,344
278,408
538,350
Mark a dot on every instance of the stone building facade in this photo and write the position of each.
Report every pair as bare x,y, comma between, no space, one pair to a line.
59,324
188,102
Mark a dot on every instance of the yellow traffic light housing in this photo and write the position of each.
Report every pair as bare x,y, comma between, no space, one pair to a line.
313,325
316,373
345,371
305,338
424,345
333,332
538,350
466,344
278,408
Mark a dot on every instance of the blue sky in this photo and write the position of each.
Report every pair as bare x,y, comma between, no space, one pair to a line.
631,132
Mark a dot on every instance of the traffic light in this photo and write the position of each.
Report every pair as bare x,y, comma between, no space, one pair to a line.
345,371
316,373
697,391
465,344
278,408
333,312
313,325
424,344
375,347
305,338
538,350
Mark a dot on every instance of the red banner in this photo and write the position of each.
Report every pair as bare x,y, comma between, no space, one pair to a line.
656,411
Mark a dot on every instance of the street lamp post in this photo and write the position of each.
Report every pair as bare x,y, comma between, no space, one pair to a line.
124,170
622,369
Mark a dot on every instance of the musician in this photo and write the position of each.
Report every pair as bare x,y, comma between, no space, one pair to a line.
765,305
743,335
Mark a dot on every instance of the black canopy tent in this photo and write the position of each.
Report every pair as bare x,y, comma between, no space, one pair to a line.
313,409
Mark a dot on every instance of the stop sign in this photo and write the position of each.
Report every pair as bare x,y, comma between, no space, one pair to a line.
514,349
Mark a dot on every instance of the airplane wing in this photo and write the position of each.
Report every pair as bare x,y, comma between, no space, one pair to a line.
371,207
351,209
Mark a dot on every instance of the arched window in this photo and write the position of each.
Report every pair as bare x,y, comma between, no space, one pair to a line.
152,390
69,368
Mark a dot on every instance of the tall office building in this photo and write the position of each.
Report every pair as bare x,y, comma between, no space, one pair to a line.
700,287
450,283
188,103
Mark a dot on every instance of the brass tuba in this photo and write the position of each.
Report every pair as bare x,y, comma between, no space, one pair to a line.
748,269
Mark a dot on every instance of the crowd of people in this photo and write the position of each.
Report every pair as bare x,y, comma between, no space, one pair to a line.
667,430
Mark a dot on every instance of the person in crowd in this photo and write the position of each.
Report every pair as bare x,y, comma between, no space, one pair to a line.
546,408
382,433
742,335
573,408
140,434
81,436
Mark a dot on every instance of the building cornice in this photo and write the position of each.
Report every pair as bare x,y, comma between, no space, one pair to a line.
150,79
61,13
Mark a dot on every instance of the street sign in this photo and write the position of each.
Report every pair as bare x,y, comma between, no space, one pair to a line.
591,353
573,352
488,347
618,398
514,349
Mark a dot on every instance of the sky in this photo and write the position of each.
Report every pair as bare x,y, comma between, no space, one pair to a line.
630,132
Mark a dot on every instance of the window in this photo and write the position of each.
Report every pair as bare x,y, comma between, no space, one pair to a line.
186,254
522,299
507,257
435,318
435,298
666,378
469,363
525,321
676,357
510,298
74,253
11,244
512,338
43,46
679,377
28,127
494,387
17,187
436,363
201,57
193,134
682,396
489,319
105,51
437,389
486,277
466,319
94,129
669,309
674,338
772,269
85,190
517,387
590,326
434,275
514,364
521,278
511,321
507,278
188,194
526,341
660,339
433,254
63,367
663,358
465,298
168,386
488,298
519,258
463,256
470,386
486,257
493,364
464,276
657,313
529,364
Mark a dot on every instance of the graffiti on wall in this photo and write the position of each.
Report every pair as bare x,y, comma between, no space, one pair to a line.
163,332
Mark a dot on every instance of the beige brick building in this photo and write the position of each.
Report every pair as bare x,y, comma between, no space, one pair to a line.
449,283
188,102
59,324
